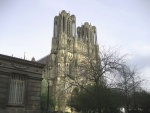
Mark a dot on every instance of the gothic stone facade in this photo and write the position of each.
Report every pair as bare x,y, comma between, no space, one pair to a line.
70,46
20,85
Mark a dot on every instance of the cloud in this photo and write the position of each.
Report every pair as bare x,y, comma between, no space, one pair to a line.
141,53
142,49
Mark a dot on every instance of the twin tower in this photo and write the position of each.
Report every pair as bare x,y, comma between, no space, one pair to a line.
71,46
70,43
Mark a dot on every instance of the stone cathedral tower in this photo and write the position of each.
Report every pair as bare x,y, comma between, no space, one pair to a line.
70,46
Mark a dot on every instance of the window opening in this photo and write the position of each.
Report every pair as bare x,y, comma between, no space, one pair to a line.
63,24
17,87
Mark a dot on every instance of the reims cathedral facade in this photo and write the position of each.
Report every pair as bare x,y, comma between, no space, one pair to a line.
71,46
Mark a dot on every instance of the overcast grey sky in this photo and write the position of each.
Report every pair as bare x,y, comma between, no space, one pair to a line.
27,26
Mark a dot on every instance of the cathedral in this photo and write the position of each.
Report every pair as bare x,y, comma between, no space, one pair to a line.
71,46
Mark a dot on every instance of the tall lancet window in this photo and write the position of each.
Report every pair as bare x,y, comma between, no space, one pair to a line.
56,29
78,32
95,37
86,34
73,29
63,24
68,27
91,36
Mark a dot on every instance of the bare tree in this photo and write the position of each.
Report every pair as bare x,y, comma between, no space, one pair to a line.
127,82
92,71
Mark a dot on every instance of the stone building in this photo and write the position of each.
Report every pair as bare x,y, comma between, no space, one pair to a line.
70,47
20,85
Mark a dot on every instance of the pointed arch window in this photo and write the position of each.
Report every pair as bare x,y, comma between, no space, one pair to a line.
95,37
63,24
86,34
82,32
68,27
56,29
73,29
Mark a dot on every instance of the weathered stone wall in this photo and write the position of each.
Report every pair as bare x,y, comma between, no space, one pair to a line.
32,73
4,80
33,95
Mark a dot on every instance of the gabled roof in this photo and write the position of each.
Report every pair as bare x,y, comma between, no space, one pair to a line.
44,60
